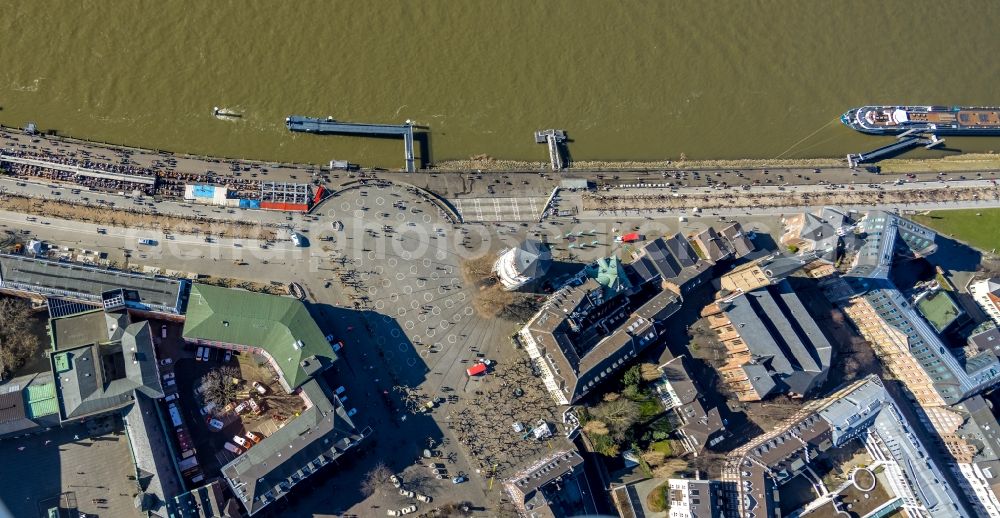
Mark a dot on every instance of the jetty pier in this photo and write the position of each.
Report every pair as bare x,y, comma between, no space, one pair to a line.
554,139
329,126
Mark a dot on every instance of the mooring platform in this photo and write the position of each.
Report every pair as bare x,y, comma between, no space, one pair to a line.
329,126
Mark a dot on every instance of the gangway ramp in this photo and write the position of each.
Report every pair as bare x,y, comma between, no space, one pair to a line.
330,126
887,151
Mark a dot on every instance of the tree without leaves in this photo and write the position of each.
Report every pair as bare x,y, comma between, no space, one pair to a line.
618,414
596,428
219,386
654,458
670,468
649,372
375,479
17,343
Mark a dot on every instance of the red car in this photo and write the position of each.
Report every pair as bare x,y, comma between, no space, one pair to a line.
476,370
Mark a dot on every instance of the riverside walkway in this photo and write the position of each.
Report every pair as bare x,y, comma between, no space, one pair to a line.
74,169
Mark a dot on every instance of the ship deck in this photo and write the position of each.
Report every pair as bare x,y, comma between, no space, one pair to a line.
979,118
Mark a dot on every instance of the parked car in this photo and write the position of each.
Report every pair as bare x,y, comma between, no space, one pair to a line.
408,509
459,479
205,410
254,407
435,465
171,397
242,407
233,448
183,440
476,370
340,390
254,437
260,387
169,376
170,383
395,481
351,412
439,472
407,493
424,498
215,424
205,354
393,512
198,354
166,361
229,356
241,441
163,331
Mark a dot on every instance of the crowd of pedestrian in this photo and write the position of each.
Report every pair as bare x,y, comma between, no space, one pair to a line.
60,170
168,180
496,426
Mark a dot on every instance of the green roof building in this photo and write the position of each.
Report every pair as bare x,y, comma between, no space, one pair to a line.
277,327
282,330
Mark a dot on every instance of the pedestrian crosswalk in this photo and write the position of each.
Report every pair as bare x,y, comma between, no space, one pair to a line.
500,209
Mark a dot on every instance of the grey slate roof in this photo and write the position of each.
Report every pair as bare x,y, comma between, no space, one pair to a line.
315,438
981,429
886,234
779,455
532,258
781,334
555,487
698,423
658,259
760,378
779,266
87,283
13,414
738,240
588,330
151,452
988,340
823,232
952,380
715,247
101,374
206,501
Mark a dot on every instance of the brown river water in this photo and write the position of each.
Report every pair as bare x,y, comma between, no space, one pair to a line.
636,80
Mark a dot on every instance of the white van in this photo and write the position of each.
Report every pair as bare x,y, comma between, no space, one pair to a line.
233,448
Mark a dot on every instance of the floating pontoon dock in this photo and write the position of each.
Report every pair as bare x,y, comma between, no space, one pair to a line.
904,143
330,126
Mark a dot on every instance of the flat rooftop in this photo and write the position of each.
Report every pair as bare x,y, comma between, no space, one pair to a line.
54,466
939,310
84,282
82,329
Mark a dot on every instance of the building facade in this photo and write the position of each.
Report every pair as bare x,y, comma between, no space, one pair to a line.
986,293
